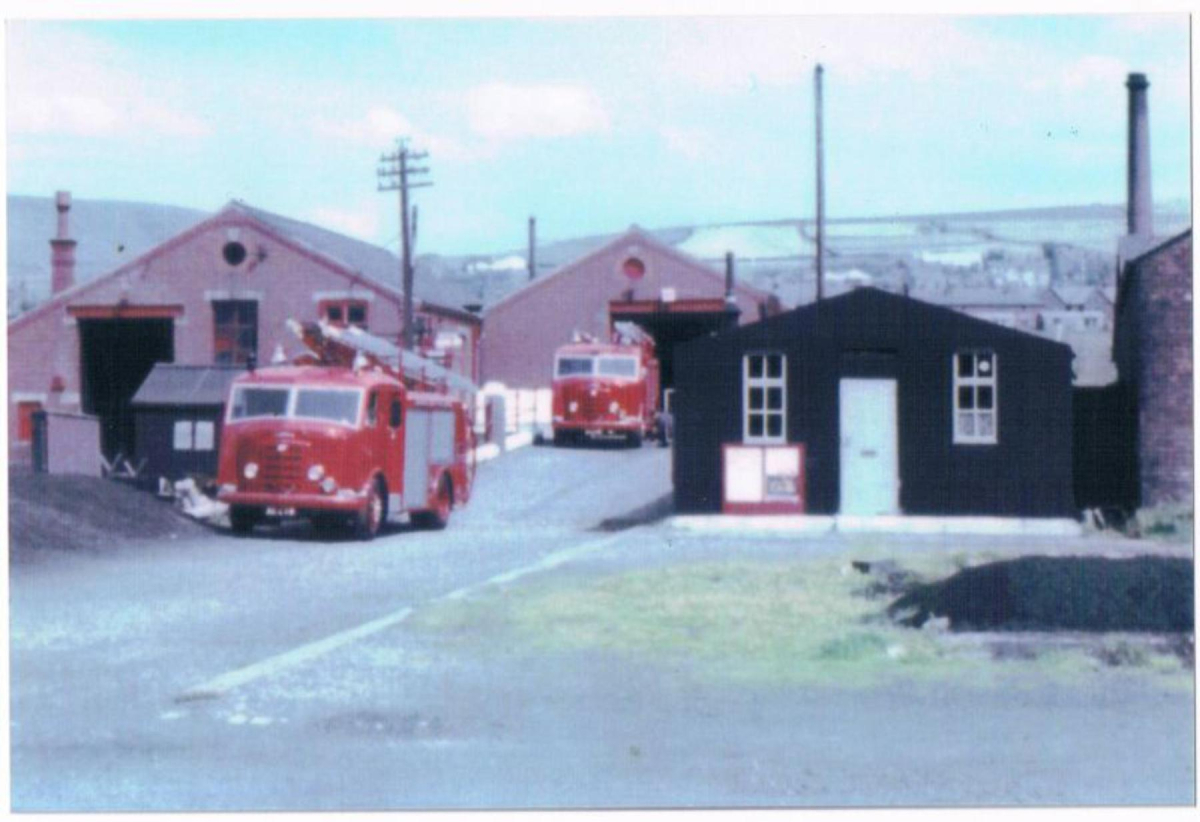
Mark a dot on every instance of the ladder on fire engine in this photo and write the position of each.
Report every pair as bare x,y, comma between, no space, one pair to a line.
352,347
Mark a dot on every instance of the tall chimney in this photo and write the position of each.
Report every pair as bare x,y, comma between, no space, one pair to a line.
62,248
1140,206
728,276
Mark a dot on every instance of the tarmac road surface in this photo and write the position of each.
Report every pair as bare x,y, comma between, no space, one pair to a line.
279,672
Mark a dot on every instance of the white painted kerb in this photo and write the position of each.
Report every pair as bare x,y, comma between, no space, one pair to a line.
818,525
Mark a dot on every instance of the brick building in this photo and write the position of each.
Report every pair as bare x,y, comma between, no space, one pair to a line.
1152,348
522,330
218,293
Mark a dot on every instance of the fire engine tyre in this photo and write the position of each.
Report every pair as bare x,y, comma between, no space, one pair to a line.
439,517
243,518
634,440
370,518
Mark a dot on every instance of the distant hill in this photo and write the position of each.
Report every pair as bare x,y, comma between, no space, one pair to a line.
988,249
109,234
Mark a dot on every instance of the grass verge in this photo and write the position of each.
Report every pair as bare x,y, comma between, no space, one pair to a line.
793,620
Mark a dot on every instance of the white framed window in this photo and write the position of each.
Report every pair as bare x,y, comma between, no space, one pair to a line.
183,435
975,398
764,398
205,435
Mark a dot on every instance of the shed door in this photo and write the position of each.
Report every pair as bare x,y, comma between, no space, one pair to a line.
870,480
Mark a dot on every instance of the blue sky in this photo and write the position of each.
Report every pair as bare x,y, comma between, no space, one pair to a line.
593,124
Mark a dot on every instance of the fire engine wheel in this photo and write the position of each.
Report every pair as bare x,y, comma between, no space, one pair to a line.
242,519
438,517
634,440
370,518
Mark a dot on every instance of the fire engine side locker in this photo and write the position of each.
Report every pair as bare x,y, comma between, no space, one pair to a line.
416,458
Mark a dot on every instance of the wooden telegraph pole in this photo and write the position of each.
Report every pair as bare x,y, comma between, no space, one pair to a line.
393,175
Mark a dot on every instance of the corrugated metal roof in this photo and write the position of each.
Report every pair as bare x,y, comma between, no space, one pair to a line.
170,384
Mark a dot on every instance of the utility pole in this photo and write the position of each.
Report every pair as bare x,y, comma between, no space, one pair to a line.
820,188
532,248
393,175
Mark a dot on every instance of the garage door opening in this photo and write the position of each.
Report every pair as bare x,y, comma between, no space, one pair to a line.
673,323
115,357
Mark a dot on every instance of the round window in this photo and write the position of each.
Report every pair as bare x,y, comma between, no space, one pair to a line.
234,253
633,268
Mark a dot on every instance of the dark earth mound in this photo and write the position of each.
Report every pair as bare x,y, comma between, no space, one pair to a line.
73,513
1058,593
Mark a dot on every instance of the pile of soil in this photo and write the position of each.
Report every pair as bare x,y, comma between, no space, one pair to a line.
72,513
1059,593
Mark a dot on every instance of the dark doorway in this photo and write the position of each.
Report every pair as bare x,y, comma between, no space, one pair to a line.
673,323
115,357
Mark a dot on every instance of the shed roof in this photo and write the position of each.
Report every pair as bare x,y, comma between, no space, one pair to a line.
170,384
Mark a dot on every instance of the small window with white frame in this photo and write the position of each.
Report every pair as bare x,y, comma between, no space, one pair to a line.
764,398
975,398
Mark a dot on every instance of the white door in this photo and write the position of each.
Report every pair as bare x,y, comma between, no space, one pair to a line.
870,467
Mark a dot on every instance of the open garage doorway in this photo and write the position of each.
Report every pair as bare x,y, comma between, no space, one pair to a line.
672,323
116,354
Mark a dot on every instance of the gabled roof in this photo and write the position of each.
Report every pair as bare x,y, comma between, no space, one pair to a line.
181,385
1074,294
869,295
634,235
354,259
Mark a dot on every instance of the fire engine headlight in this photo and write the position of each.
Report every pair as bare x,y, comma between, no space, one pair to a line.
573,407
316,472
250,471
614,407
328,485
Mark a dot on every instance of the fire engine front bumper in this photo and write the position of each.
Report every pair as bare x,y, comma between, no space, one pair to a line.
600,427
298,502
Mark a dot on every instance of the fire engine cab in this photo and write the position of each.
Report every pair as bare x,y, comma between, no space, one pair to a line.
606,389
353,433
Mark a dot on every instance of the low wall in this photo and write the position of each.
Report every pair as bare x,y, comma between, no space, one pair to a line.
73,444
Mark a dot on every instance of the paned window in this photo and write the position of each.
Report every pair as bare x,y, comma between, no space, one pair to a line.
345,312
764,398
975,398
192,435
235,331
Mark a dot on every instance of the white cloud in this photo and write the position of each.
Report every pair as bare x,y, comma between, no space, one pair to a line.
730,54
361,221
67,84
1093,70
505,111
690,143
378,127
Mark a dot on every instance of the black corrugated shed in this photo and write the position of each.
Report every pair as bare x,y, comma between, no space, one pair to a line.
871,334
178,412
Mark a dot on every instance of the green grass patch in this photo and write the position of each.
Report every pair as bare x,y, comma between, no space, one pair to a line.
798,620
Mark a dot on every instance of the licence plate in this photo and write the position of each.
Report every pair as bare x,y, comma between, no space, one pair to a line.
281,512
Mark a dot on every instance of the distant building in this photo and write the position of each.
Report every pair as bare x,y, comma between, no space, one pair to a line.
1076,308
218,293
871,404
522,330
1152,347
1018,308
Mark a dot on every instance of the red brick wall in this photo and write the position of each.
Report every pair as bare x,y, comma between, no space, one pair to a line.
1153,351
189,270
521,332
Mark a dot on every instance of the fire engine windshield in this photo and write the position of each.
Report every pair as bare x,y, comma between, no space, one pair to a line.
575,366
618,366
328,404
258,402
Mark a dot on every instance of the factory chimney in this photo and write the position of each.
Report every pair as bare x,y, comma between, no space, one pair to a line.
1140,206
62,248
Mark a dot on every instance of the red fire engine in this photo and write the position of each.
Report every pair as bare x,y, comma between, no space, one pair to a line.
356,432
606,389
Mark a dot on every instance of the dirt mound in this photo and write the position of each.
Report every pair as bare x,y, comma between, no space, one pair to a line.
1058,593
84,513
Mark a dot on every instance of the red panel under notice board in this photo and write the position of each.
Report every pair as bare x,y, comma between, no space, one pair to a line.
762,479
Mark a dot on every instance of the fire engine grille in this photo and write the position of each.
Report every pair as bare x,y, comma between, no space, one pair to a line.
281,471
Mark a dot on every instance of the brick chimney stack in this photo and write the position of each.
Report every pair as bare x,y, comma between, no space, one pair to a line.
62,248
1140,206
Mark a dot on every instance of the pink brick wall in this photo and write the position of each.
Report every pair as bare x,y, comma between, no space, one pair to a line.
521,333
189,270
